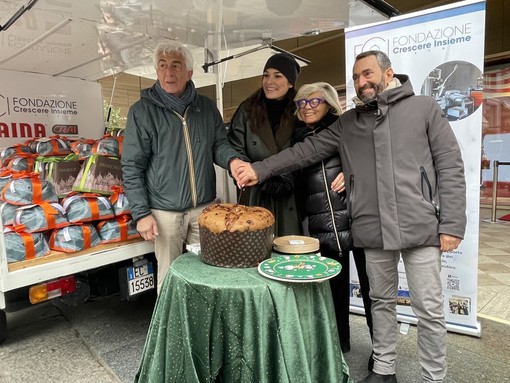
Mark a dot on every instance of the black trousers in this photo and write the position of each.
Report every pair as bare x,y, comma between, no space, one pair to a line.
340,289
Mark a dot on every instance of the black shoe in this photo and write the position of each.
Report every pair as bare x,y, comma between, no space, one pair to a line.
371,362
374,377
345,346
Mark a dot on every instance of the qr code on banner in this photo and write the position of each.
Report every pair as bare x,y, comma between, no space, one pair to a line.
453,284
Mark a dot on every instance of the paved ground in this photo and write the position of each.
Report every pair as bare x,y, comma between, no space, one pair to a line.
102,341
96,342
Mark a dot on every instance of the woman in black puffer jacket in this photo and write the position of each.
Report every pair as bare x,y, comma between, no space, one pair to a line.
325,208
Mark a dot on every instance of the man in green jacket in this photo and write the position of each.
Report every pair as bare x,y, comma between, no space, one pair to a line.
407,198
173,138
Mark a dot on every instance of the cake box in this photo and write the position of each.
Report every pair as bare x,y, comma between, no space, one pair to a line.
98,175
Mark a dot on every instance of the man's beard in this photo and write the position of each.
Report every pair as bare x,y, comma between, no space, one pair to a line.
378,88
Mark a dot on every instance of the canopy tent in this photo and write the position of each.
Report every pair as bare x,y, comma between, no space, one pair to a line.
96,38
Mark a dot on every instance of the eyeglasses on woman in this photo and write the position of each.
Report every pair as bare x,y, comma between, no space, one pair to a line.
313,102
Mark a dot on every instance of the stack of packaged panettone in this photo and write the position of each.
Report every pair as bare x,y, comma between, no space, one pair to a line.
39,210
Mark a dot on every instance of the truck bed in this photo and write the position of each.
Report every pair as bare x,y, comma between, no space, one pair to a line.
58,264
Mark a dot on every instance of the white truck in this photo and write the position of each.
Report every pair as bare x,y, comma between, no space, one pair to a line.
37,102
38,106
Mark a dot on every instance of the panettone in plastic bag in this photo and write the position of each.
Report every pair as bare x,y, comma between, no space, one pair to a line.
21,162
7,212
86,207
83,147
74,238
117,229
28,188
5,178
6,153
41,217
52,146
109,146
20,245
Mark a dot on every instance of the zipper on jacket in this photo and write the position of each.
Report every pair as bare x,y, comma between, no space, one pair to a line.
189,152
425,179
349,200
330,206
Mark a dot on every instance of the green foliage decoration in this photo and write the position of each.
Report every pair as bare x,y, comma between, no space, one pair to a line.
117,122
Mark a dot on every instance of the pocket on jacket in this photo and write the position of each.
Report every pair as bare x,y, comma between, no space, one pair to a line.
426,191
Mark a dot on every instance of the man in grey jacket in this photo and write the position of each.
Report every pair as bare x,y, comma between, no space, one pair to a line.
173,138
407,198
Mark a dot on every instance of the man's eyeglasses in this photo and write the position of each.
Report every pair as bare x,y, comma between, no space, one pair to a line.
313,102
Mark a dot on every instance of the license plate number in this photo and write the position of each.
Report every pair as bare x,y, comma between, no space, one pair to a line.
140,278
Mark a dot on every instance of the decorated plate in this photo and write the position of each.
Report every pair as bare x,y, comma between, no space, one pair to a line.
300,268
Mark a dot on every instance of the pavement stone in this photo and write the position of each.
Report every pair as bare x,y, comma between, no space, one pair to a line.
101,341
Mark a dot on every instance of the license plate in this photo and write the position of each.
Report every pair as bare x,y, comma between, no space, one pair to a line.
140,278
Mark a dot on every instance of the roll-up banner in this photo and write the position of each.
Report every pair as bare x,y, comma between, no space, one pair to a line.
36,106
442,51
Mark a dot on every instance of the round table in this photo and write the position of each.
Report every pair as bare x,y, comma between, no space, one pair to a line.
213,324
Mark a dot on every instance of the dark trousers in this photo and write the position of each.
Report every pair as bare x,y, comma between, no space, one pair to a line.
340,290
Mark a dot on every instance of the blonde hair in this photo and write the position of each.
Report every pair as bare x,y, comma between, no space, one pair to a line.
328,93
172,46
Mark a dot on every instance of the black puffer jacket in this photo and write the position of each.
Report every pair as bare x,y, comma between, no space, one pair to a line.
326,210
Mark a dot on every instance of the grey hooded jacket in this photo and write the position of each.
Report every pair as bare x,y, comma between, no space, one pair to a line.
168,160
403,169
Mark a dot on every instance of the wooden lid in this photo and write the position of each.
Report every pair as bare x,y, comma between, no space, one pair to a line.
296,244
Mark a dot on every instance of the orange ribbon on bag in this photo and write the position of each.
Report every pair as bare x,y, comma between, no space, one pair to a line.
123,222
6,172
86,236
49,212
94,207
123,226
27,239
117,191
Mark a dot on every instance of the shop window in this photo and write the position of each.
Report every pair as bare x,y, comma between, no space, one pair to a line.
496,134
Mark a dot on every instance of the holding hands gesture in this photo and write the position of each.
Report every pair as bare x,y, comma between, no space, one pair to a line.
245,175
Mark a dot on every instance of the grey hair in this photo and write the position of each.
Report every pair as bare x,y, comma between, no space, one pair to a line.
328,93
383,60
172,46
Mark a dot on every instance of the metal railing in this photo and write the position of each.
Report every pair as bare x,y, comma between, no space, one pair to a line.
495,166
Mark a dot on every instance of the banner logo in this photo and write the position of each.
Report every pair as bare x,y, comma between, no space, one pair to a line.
4,106
373,44
65,129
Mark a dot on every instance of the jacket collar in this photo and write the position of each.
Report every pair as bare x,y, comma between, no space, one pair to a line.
303,130
399,88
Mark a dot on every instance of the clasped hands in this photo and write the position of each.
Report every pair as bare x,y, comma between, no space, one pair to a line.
243,173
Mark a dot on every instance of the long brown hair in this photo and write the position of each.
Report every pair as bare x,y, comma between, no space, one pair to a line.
256,110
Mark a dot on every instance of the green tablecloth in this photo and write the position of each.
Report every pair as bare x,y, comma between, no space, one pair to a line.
214,324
